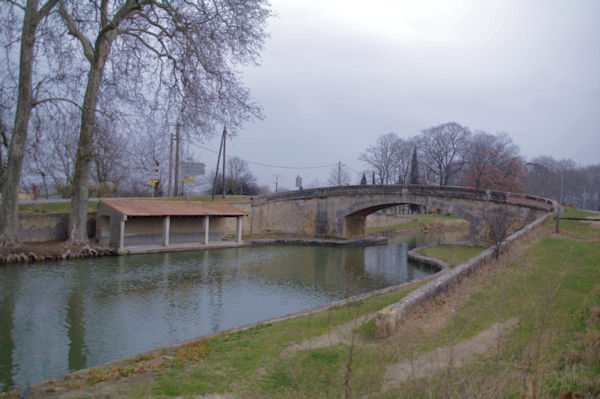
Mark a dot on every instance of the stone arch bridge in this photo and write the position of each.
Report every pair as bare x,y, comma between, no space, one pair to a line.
341,211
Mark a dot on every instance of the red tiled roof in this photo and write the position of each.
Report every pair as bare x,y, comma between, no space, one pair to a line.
137,207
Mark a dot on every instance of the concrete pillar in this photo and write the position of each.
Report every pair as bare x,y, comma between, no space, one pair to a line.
166,228
206,227
238,229
122,233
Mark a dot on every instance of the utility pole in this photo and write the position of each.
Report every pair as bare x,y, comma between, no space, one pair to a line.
276,177
339,173
170,193
221,146
224,142
177,140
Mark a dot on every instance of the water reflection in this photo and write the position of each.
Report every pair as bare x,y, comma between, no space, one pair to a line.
6,331
57,318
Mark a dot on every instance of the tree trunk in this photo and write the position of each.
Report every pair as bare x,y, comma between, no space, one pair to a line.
85,147
12,177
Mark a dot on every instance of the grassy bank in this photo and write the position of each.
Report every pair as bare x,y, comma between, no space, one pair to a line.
527,325
453,255
424,223
42,208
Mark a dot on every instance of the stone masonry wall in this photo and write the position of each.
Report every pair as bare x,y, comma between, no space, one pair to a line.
51,227
388,319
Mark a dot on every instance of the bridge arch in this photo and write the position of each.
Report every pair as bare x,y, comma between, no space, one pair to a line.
355,221
341,211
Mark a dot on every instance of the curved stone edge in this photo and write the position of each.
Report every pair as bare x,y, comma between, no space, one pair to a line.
388,319
415,256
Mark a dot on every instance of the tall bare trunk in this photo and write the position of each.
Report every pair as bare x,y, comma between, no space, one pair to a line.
12,177
85,148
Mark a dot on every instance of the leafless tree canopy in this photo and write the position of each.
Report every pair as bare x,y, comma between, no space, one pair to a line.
451,154
174,62
444,148
339,175
493,162
581,185
238,179
387,158
183,52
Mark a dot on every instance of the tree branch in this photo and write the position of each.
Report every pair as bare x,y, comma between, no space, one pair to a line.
14,3
46,8
85,44
53,99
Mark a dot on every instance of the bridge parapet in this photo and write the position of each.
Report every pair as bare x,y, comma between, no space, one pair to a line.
407,189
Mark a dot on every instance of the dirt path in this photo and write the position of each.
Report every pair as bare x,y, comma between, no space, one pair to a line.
339,335
484,343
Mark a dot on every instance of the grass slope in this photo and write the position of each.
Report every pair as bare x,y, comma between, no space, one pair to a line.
423,222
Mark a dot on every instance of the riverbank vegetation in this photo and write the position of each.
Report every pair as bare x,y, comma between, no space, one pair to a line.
527,325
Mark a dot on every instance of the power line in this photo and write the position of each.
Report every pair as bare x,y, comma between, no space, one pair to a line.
274,166
350,167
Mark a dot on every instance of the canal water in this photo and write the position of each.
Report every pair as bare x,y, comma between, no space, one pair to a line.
56,318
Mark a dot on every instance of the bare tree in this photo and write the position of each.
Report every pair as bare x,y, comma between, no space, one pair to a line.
148,146
238,179
443,149
339,175
111,151
544,175
51,150
498,226
493,162
581,185
32,16
402,160
191,46
591,194
381,157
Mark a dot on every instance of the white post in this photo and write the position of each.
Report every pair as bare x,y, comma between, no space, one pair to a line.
122,233
206,225
166,228
238,229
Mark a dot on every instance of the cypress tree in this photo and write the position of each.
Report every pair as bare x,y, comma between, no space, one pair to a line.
414,168
363,181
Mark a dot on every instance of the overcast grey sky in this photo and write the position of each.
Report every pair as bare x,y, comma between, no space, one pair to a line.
336,74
